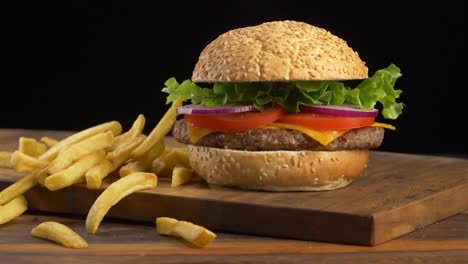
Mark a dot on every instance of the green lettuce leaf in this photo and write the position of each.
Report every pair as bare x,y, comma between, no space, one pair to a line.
377,89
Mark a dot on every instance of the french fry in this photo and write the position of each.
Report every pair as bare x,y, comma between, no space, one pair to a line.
72,153
50,142
164,165
165,225
132,167
112,126
133,132
18,188
98,172
112,161
116,192
181,175
157,134
13,209
178,155
195,234
5,160
41,175
145,162
161,169
25,163
31,147
75,173
60,234
137,127
31,180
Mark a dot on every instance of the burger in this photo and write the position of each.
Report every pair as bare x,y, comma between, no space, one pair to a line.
270,107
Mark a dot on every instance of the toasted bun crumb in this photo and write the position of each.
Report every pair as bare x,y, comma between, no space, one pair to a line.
278,51
278,170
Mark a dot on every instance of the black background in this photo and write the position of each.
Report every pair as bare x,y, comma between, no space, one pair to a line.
75,65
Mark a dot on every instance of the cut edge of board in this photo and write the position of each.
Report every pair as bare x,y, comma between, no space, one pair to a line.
394,223
242,218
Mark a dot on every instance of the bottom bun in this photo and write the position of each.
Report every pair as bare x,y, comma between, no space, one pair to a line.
278,170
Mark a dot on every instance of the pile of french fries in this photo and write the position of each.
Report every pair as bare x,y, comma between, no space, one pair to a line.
88,157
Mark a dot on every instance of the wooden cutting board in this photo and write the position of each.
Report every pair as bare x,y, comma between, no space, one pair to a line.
397,194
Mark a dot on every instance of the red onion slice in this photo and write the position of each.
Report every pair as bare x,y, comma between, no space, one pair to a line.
335,110
218,110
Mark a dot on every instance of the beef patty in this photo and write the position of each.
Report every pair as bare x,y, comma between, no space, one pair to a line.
282,139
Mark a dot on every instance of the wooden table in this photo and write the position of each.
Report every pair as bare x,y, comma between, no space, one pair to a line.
118,242
123,242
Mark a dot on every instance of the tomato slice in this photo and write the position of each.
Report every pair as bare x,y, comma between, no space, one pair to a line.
324,122
237,121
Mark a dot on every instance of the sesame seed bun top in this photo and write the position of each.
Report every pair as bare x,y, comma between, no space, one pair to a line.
278,51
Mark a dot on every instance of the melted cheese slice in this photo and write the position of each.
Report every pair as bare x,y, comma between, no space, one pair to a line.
323,137
383,125
196,133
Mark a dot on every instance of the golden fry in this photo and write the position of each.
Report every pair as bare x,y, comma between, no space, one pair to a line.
60,234
31,147
162,128
112,161
13,209
112,126
145,162
132,167
116,192
133,132
75,173
138,126
195,234
95,175
50,142
156,151
122,153
164,165
5,160
18,188
165,225
74,152
161,169
25,163
181,175
31,180
41,175
179,155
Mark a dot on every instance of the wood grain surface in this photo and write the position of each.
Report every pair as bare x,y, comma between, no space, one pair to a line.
118,242
398,194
